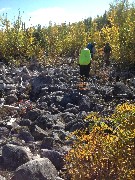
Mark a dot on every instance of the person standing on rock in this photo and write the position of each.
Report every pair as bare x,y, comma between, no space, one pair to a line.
107,53
84,63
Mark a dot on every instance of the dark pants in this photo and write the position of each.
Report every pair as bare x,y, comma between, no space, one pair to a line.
107,59
92,55
84,71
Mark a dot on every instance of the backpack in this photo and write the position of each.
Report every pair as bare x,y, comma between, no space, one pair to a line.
85,57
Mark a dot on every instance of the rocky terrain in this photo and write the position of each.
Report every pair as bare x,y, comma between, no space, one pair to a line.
40,106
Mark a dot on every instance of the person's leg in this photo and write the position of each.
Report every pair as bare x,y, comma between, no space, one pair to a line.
82,75
87,72
82,72
107,59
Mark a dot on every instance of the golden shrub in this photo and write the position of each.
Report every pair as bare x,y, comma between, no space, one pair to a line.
101,155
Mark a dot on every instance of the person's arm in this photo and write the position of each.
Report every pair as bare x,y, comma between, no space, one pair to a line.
93,50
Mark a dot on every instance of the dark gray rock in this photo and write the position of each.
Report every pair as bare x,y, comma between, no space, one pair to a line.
70,124
47,143
67,117
4,132
65,100
133,82
25,135
32,114
41,168
69,105
25,122
72,97
62,134
1,159
59,125
38,83
122,89
38,133
2,85
10,99
45,121
77,126
14,155
85,104
73,110
42,106
54,156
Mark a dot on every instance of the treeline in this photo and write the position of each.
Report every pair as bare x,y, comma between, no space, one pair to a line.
116,26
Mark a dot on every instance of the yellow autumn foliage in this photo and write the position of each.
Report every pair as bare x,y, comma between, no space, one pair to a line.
103,155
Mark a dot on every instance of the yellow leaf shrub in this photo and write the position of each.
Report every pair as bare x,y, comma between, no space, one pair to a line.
102,156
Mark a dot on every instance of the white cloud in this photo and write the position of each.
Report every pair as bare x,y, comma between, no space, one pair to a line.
55,14
4,9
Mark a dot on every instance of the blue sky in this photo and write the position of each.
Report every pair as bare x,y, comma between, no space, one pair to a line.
43,11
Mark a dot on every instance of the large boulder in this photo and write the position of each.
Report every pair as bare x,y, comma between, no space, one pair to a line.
38,83
32,114
85,104
14,155
72,97
25,135
54,156
41,168
47,143
44,121
38,133
120,89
